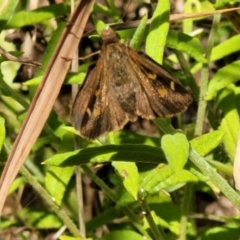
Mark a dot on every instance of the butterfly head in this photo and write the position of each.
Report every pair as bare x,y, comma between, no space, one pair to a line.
109,36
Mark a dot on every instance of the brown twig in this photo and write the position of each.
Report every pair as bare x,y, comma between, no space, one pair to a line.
45,96
22,60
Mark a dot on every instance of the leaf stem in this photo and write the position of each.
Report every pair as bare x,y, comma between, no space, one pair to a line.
111,195
187,198
204,78
212,174
157,231
48,200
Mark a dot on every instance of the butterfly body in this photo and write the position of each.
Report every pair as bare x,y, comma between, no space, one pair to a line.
123,86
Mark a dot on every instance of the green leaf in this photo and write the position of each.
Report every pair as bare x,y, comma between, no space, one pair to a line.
224,76
102,218
221,50
17,183
230,123
226,231
156,39
6,10
99,24
102,9
108,153
221,3
129,172
187,44
176,149
40,219
177,179
207,142
226,48
154,177
38,15
122,234
80,76
56,181
136,40
52,44
167,214
2,132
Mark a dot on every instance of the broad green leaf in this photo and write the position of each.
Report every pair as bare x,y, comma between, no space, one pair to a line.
122,234
176,149
207,142
100,25
167,214
56,182
38,15
156,39
177,179
136,40
187,44
40,219
108,153
154,177
65,237
2,132
224,76
129,172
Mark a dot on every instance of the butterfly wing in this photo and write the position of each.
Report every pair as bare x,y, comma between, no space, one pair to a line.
166,96
96,110
86,106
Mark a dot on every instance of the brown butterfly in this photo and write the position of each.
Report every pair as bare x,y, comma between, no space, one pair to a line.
123,86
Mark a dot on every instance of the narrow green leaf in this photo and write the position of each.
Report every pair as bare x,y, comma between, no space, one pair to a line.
129,172
2,132
176,149
108,153
224,76
136,40
187,44
207,142
225,48
17,183
156,39
38,15
52,44
102,218
6,10
221,3
230,124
